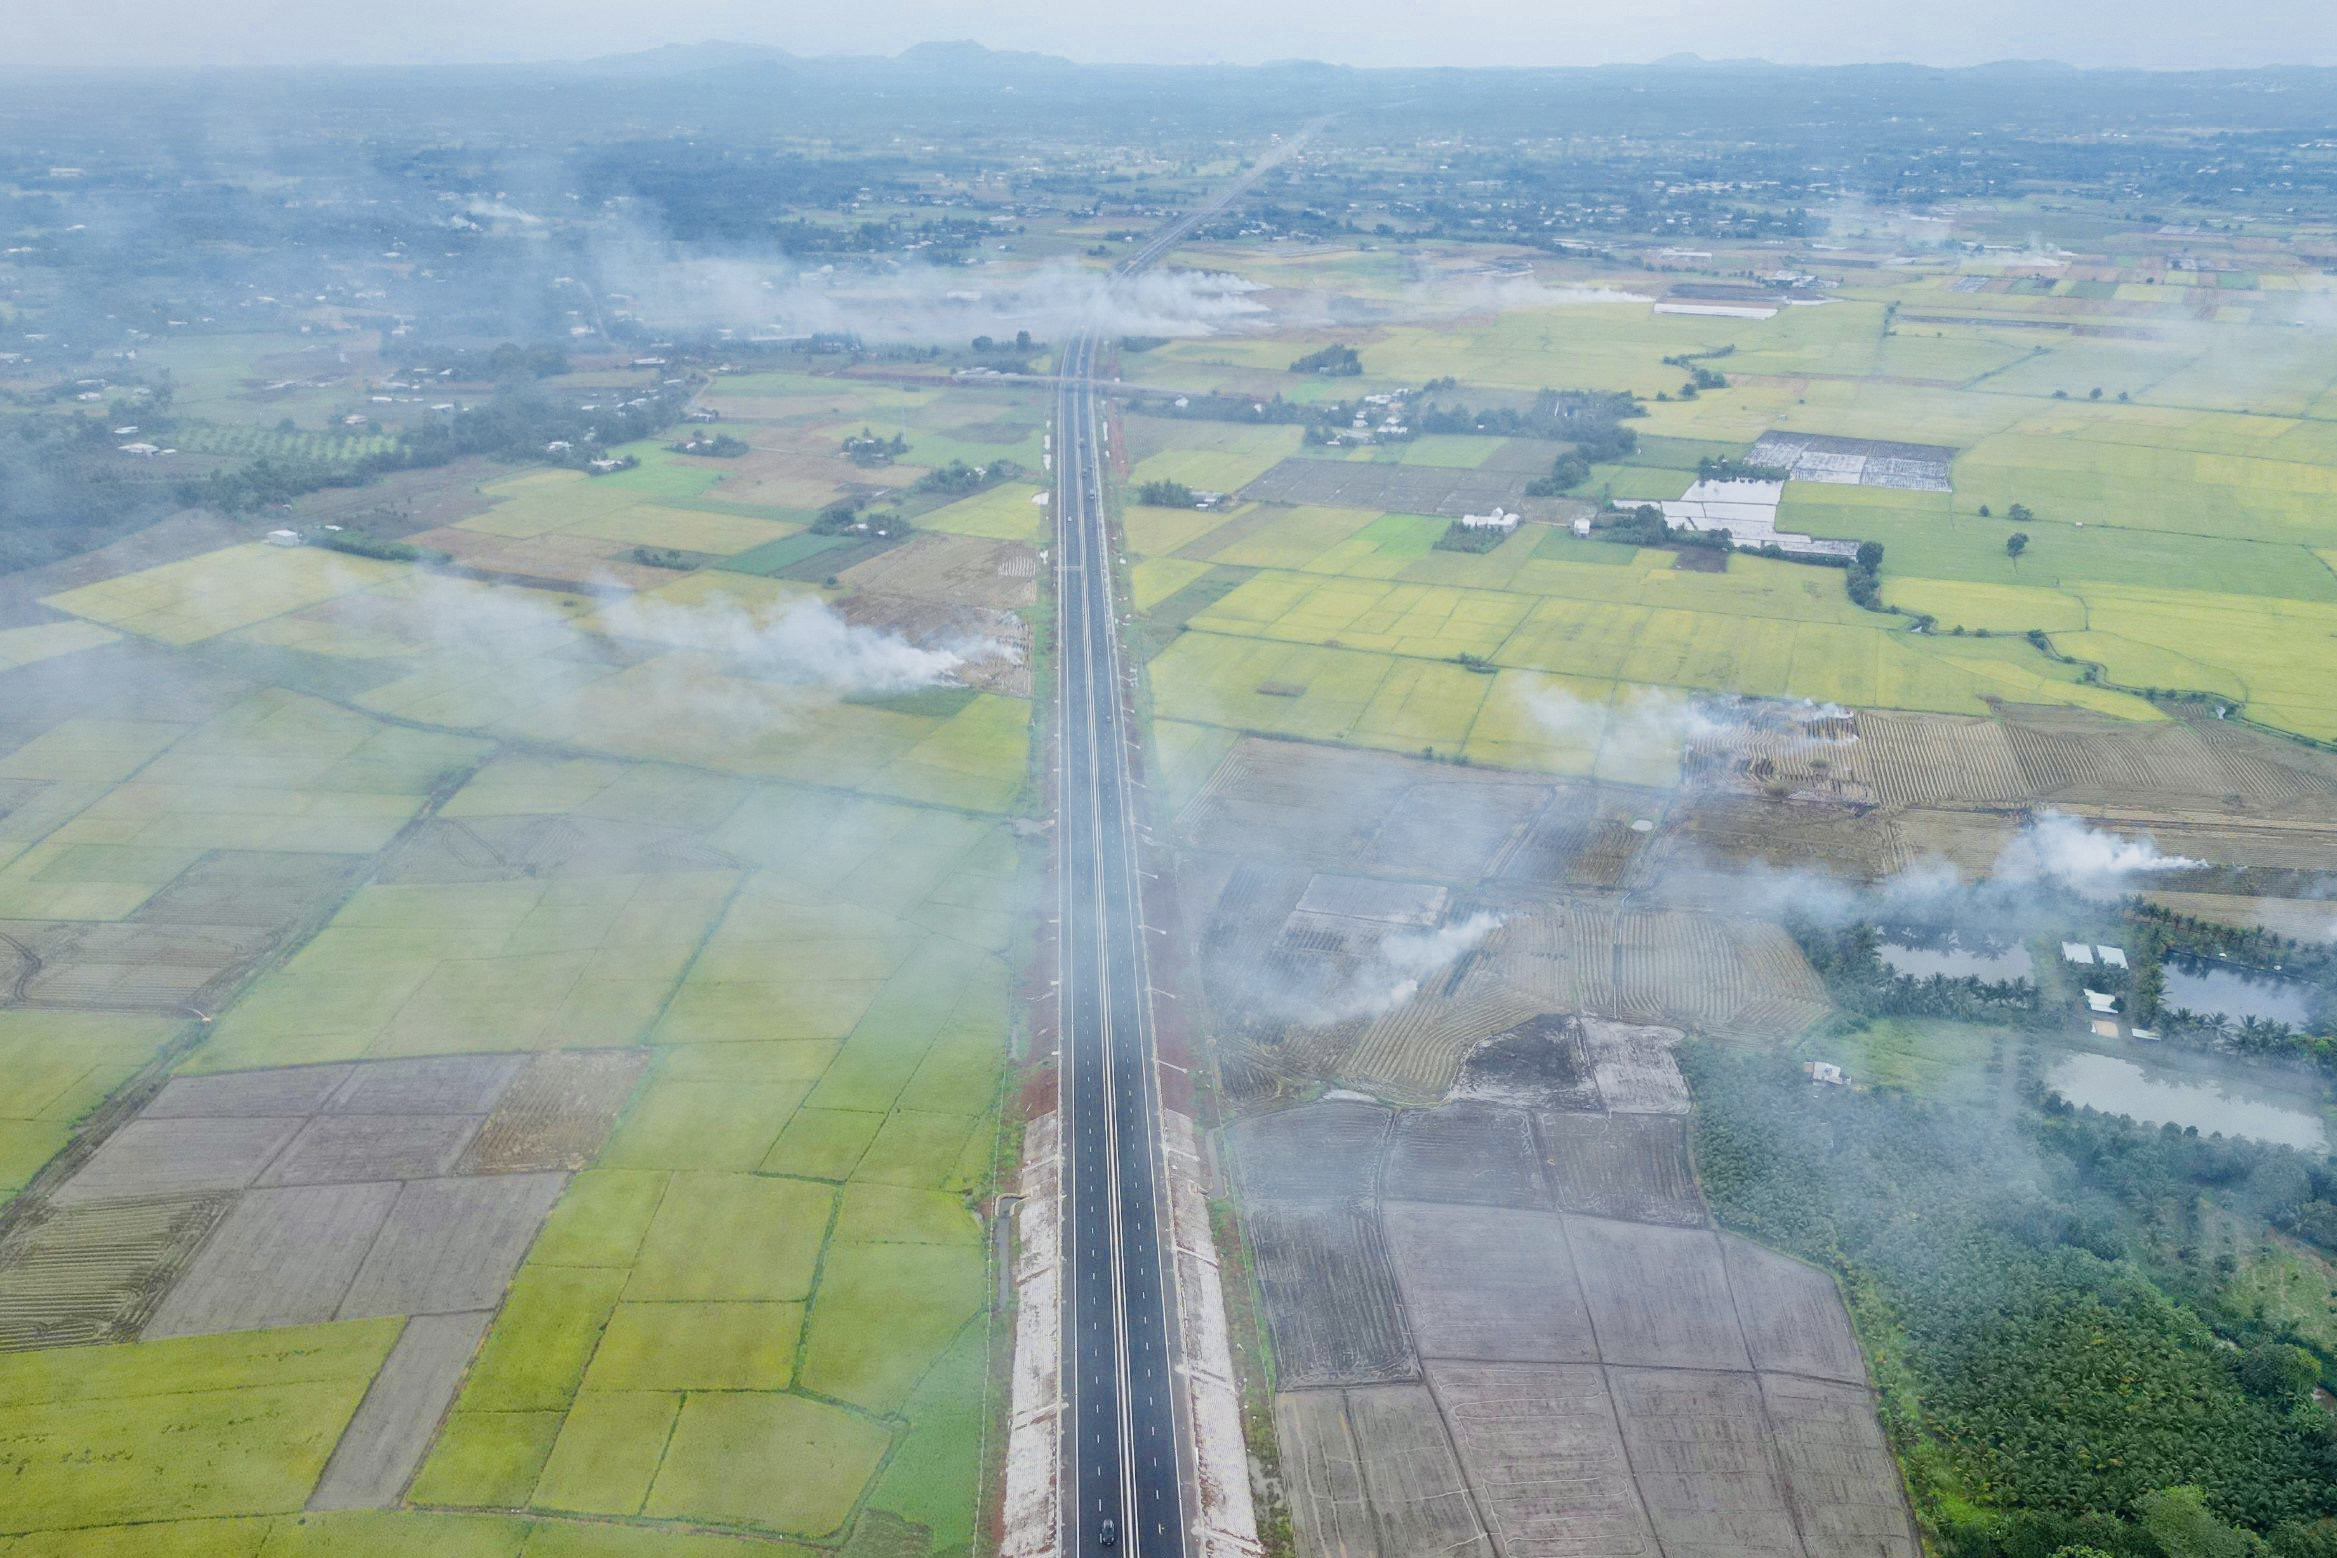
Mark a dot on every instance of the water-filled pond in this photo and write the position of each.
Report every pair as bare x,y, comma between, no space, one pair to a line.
1958,957
2155,1097
2220,990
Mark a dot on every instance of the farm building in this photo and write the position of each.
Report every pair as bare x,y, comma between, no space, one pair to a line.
1747,511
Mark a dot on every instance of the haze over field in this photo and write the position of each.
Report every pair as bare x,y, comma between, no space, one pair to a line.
2152,34
734,773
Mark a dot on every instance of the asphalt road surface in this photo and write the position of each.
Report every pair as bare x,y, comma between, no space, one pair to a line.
1126,1449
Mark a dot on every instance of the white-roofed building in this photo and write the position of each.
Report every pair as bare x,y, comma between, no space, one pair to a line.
2077,952
1747,511
1499,519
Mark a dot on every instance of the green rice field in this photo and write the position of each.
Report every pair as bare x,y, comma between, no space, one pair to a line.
613,819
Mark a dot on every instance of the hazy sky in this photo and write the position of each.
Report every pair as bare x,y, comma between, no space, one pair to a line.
2158,33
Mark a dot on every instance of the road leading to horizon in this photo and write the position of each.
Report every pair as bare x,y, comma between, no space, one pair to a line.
1127,1453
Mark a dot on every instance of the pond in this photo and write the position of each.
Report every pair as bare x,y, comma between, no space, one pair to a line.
1989,961
2220,990
2230,1106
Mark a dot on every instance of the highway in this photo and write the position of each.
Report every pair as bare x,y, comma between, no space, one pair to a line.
1127,1456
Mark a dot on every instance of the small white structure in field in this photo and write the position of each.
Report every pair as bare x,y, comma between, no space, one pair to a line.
1827,1072
1581,526
284,538
2110,957
2101,1001
1499,519
2077,952
142,451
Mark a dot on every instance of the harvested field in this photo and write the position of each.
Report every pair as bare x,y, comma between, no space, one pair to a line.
1717,974
1470,1153
1323,1470
1415,1050
1634,1067
1371,898
968,570
2175,765
1464,1152
1971,841
1939,759
1453,829
450,1245
1373,1474
1489,1283
77,1276
1002,663
1793,1318
1387,488
178,1157
129,965
1325,1151
1738,830
355,1149
437,1085
1844,1480
556,1114
2302,852
384,1443
1420,1502
1544,1457
1266,798
1658,1296
283,1257
285,1090
329,1196
1632,1167
1562,955
1329,1295
1540,1064
1788,751
1700,1450
1582,839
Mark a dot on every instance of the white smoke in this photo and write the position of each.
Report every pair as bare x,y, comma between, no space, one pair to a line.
2066,850
1400,965
716,661
1648,727
1491,294
500,211
803,642
2059,853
